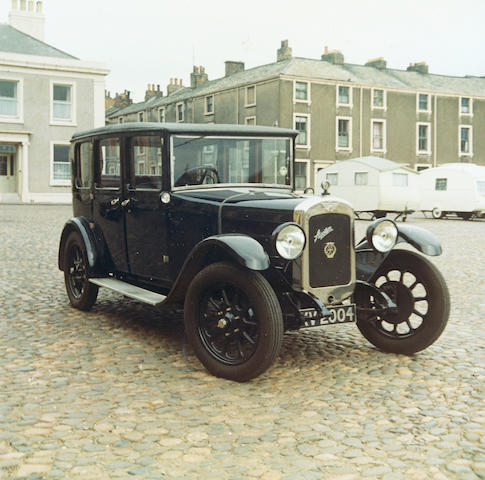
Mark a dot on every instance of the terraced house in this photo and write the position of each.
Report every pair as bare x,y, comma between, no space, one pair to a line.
341,110
45,96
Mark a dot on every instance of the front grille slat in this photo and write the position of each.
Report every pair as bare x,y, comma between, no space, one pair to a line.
329,242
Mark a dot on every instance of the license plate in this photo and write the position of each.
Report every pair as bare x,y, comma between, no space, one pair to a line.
338,314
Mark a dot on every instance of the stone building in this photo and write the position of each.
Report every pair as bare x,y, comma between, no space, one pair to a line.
341,110
45,96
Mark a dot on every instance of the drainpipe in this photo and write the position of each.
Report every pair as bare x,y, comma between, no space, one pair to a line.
360,122
435,130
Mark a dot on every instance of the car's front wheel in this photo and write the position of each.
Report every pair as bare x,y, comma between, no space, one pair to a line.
233,321
423,304
82,294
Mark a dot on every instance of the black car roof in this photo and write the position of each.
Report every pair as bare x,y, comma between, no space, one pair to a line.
197,128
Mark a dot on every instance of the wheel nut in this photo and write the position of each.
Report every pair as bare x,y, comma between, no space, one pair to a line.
222,323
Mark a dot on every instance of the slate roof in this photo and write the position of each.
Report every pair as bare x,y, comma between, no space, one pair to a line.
15,41
306,68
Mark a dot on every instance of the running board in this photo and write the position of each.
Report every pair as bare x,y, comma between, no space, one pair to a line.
129,290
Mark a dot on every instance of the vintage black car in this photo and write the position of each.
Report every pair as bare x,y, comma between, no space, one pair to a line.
206,217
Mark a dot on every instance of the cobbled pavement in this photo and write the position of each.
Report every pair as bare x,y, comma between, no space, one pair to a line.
115,393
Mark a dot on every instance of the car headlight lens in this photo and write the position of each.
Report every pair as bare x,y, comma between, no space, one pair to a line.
289,241
382,234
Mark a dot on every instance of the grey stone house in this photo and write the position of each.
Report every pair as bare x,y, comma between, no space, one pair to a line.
45,95
341,110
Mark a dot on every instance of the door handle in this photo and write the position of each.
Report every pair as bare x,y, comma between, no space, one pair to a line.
126,202
115,201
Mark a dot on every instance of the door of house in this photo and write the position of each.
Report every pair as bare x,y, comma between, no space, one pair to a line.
8,173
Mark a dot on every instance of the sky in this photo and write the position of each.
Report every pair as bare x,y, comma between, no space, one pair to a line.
151,41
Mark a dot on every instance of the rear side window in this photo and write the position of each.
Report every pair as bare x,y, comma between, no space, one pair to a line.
440,184
84,161
146,162
108,164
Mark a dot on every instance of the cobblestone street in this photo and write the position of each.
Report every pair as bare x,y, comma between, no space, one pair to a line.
115,393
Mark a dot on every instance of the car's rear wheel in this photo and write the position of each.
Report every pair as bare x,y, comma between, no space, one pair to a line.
233,321
437,213
423,304
82,294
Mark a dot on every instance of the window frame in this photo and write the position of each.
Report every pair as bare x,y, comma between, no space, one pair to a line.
428,150
465,114
141,116
182,110
428,103
206,111
366,179
308,92
307,173
72,122
384,99
306,145
246,101
337,147
339,104
19,118
251,118
384,135
59,182
162,115
470,140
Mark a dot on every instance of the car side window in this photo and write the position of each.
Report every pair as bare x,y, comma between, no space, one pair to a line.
108,164
145,162
84,163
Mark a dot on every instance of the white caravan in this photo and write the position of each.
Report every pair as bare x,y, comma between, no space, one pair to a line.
453,188
373,184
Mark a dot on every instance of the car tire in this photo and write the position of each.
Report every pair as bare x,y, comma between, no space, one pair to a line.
422,298
437,213
233,321
81,292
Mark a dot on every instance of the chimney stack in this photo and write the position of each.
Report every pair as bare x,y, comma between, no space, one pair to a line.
333,56
174,85
27,17
379,63
152,92
284,52
198,77
420,67
233,67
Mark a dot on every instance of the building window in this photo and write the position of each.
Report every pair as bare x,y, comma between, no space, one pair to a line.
141,116
250,96
378,132
120,120
423,102
399,179
423,142
161,115
344,96
440,184
250,120
209,105
301,175
302,125
180,112
301,92
332,178
466,106
61,167
62,103
9,94
361,178
466,140
378,98
344,133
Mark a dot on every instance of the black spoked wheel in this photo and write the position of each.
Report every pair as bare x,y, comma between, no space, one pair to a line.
233,321
419,290
82,294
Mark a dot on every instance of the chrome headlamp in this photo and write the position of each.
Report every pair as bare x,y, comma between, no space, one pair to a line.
382,234
289,240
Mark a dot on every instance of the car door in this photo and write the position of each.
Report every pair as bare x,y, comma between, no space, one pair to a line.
108,197
146,216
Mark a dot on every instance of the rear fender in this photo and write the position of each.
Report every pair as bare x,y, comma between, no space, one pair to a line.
241,249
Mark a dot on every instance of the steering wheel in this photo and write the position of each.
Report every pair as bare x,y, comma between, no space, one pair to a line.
207,173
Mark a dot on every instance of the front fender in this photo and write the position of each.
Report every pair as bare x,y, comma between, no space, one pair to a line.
369,260
242,249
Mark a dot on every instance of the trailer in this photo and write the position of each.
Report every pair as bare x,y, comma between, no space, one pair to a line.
453,188
374,186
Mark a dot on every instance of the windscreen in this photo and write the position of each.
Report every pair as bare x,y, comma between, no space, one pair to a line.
199,160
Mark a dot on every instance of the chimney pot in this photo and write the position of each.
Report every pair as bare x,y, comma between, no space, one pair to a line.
284,52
